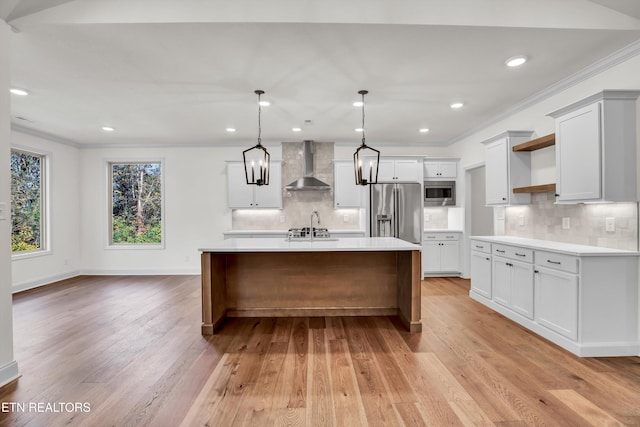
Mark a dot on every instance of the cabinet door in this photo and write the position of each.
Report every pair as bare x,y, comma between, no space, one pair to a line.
431,257
386,170
448,170
449,256
522,288
270,196
431,170
501,281
481,273
578,154
496,169
239,193
346,194
407,170
556,299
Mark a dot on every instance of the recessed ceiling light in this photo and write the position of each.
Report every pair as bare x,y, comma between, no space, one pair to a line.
424,130
19,92
230,129
456,105
516,61
264,103
358,104
108,128
296,129
359,130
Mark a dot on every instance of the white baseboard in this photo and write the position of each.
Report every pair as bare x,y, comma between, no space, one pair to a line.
139,272
9,373
41,281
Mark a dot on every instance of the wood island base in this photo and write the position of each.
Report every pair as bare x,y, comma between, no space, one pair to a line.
293,284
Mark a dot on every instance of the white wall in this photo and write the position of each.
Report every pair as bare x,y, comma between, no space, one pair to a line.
8,366
195,208
63,259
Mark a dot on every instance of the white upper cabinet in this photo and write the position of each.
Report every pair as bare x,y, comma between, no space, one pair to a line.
440,170
241,195
596,148
506,169
346,194
399,170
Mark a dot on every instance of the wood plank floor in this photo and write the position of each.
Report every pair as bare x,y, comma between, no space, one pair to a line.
130,347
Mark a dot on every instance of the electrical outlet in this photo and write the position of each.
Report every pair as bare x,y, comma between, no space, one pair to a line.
521,220
283,218
610,224
427,217
345,218
566,223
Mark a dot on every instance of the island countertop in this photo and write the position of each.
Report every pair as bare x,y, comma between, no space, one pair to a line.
343,244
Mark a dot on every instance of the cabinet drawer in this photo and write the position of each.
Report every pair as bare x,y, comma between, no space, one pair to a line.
557,261
513,252
479,246
441,236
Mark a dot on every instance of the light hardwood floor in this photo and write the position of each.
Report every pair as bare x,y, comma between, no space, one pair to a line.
131,348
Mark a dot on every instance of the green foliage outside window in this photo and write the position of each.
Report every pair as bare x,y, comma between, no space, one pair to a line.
136,203
26,201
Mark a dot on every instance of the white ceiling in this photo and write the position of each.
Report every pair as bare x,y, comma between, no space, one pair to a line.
180,72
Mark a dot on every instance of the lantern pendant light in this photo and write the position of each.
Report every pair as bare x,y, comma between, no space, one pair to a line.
257,158
366,159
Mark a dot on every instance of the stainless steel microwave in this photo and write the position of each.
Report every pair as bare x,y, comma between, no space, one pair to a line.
439,193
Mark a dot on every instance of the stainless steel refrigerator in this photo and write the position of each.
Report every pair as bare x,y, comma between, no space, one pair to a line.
396,211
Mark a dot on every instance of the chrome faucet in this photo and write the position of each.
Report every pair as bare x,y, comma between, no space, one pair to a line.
311,223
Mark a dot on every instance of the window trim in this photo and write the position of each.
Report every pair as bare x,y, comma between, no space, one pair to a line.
109,245
45,203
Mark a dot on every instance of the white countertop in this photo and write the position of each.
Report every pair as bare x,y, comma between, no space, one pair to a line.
441,230
279,232
346,244
568,248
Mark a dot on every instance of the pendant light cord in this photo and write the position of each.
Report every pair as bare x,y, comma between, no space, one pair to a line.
259,123
363,119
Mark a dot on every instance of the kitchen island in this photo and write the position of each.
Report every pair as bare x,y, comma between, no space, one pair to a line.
274,277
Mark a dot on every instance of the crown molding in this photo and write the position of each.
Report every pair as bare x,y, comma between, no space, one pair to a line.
616,58
45,135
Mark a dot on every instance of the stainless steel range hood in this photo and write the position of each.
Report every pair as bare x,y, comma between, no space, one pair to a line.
308,182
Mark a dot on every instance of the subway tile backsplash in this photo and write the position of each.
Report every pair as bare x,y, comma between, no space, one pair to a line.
298,205
542,219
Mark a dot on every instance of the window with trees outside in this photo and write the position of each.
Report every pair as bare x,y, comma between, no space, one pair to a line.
135,203
27,202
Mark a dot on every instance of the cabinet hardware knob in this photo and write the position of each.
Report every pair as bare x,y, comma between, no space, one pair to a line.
504,198
536,271
488,259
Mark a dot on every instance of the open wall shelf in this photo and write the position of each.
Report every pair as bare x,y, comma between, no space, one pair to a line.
544,188
536,144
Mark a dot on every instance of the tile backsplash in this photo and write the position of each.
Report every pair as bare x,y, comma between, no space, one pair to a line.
298,205
542,219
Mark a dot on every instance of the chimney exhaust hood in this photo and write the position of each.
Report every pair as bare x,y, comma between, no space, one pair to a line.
308,182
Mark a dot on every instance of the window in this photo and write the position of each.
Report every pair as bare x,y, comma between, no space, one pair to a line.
28,212
135,207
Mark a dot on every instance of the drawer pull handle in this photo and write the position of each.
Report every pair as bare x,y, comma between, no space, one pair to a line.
498,250
554,262
536,271
479,247
521,254
509,264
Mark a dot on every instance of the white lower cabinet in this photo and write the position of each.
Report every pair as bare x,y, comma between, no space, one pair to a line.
557,301
441,253
513,285
582,298
481,273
